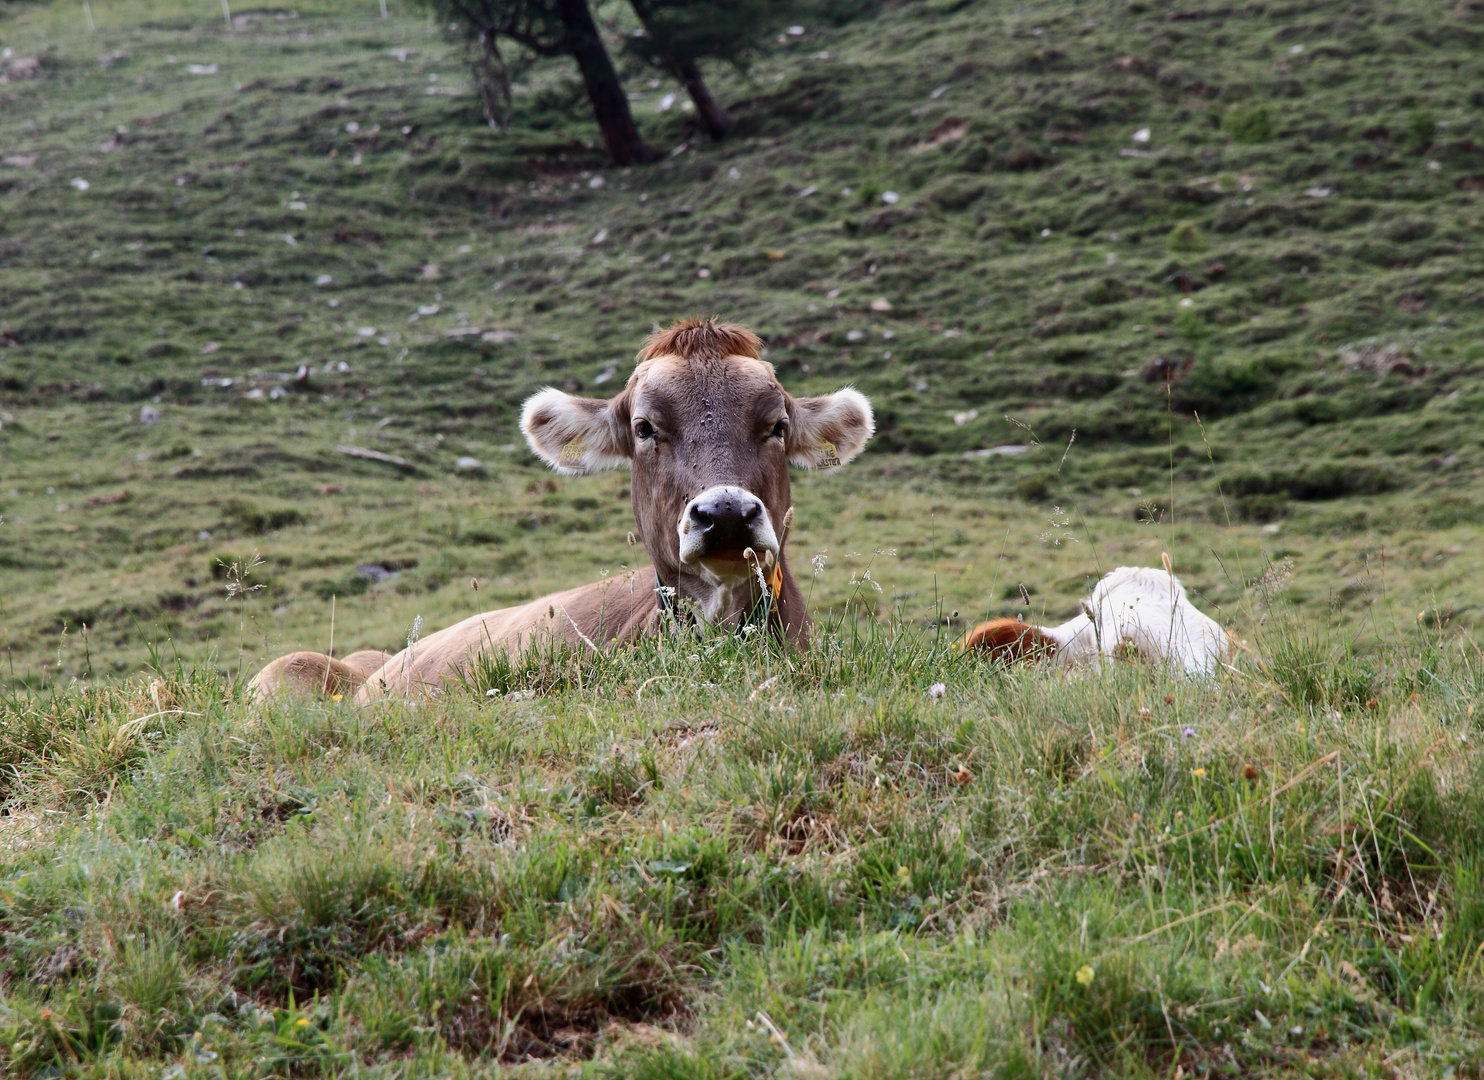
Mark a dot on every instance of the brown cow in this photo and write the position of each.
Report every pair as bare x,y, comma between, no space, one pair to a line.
709,435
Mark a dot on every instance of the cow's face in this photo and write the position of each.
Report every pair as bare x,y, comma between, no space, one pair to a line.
710,439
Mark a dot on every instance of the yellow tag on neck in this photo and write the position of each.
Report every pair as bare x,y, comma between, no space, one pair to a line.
571,457
829,457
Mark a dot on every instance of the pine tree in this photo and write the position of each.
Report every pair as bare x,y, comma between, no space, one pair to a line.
551,28
678,34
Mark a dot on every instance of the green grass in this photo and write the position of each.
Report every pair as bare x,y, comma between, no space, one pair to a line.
705,857
708,857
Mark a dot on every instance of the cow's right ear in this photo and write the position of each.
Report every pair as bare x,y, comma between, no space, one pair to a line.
828,431
576,435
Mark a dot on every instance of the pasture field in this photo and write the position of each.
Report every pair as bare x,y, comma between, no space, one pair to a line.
1122,279
1297,246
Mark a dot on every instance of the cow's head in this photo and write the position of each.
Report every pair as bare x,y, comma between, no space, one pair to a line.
710,435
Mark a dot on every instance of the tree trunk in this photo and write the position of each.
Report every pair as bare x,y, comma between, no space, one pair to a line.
604,91
718,121
492,80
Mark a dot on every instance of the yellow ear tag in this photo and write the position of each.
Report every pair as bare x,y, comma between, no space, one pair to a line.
829,457
571,455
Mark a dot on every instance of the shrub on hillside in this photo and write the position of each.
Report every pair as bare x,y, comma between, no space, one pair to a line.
1314,481
1220,388
1186,236
1250,125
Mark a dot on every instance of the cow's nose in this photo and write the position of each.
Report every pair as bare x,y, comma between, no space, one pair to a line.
726,520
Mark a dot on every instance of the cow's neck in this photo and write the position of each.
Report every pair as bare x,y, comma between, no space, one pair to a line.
718,600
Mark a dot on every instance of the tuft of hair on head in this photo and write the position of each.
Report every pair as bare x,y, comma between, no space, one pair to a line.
1010,641
702,339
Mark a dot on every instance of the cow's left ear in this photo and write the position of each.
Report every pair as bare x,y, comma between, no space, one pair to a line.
576,435
828,431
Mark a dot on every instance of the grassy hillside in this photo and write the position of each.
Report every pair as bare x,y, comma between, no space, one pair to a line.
1293,252
227,253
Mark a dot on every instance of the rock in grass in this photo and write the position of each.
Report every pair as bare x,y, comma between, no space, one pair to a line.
375,455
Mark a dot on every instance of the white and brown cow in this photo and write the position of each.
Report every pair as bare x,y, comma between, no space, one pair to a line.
709,434
1135,611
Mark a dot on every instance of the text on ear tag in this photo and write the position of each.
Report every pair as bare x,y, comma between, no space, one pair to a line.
571,455
829,457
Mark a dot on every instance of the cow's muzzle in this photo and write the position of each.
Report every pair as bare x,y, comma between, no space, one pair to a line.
723,522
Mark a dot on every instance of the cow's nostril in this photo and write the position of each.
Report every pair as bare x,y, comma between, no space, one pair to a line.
752,512
700,517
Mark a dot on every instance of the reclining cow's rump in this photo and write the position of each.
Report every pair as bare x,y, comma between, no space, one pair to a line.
709,435
1132,609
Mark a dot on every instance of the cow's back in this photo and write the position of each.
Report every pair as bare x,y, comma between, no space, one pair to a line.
623,608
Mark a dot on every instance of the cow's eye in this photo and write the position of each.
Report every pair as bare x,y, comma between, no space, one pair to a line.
780,429
644,429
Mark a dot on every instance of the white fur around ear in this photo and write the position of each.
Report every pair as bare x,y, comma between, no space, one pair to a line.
828,431
573,435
